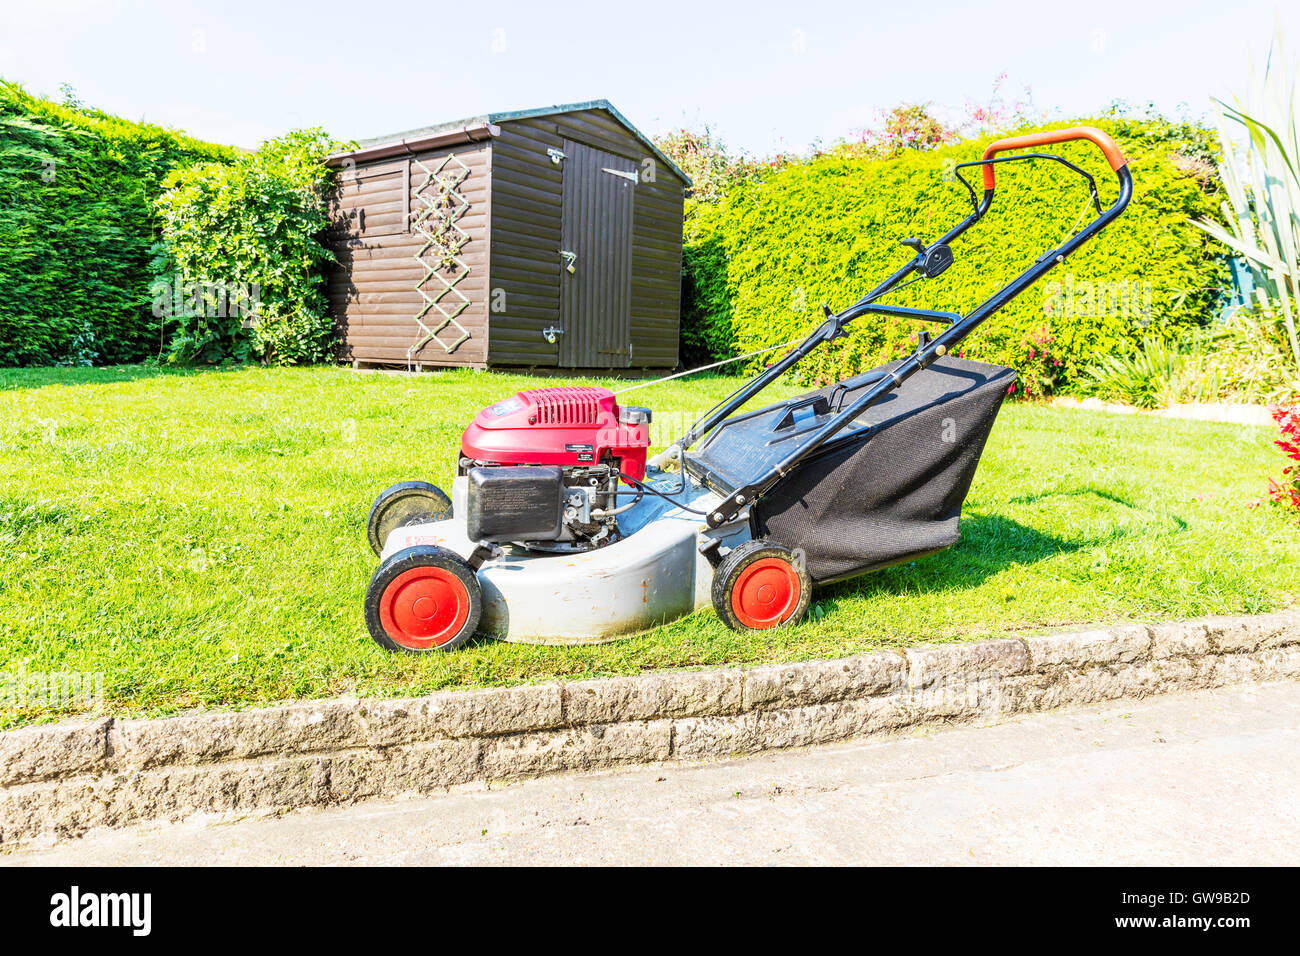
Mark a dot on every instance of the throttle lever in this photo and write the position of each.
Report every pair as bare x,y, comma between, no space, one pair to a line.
932,260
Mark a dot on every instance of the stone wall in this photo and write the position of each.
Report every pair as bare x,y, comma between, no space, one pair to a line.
60,780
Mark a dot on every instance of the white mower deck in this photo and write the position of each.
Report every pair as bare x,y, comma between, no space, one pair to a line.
652,575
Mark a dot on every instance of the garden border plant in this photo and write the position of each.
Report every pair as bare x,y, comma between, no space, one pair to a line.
1286,492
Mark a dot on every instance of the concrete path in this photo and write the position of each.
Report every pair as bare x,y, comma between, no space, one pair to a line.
1204,778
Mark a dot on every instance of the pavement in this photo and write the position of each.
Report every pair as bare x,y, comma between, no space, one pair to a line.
1209,777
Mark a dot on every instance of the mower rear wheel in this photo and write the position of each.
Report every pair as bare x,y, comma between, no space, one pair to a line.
405,503
423,599
760,585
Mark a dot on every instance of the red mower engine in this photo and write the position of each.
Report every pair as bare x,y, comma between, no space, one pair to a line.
544,467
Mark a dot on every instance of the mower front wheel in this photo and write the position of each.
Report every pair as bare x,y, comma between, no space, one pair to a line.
422,599
760,585
405,503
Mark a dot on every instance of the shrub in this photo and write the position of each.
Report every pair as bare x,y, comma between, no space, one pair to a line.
1145,377
76,228
761,260
704,158
1287,491
1039,365
909,126
251,226
1241,359
999,113
1250,353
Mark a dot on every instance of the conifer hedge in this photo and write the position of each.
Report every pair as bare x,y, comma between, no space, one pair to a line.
78,230
760,262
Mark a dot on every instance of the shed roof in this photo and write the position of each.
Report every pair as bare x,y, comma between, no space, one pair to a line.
478,127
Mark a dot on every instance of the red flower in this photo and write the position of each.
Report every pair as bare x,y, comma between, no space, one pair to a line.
1288,419
1287,491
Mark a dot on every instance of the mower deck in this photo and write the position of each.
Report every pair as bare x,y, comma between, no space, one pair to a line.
652,575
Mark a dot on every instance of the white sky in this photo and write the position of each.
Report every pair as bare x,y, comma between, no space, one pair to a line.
765,75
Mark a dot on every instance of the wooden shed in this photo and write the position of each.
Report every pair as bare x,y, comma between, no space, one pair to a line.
542,238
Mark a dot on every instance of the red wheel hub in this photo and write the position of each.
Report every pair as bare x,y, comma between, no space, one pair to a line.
766,593
424,607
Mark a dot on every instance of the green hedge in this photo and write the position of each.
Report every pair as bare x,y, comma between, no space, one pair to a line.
76,229
760,262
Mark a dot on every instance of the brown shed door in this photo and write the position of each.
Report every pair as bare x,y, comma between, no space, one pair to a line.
596,298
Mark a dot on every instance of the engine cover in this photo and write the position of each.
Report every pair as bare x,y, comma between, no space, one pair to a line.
568,426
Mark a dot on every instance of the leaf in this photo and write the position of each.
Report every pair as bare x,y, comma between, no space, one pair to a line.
1249,251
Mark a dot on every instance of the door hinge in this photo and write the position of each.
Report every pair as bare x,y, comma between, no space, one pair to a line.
630,174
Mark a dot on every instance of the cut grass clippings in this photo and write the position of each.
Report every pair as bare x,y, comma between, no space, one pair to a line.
198,537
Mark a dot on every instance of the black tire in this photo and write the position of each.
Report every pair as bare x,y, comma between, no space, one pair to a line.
760,585
405,503
423,599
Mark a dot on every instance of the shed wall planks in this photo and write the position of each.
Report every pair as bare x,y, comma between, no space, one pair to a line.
373,293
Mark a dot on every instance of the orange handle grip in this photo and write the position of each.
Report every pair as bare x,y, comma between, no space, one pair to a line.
1103,141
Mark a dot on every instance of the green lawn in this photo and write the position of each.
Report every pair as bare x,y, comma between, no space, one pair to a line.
199,537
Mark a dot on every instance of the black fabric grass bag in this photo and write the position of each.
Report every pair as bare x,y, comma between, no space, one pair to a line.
894,490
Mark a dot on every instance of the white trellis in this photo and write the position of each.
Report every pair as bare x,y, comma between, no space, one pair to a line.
437,224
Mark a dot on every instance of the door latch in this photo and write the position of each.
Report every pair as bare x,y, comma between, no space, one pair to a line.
556,155
630,174
569,259
551,334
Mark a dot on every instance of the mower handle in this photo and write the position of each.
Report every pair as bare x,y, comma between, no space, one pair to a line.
960,326
1102,139
737,499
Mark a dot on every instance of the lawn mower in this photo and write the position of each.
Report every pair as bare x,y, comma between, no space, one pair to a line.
559,530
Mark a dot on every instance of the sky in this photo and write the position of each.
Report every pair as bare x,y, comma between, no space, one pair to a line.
763,76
